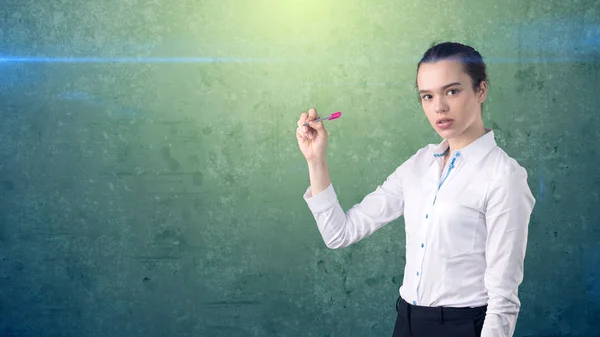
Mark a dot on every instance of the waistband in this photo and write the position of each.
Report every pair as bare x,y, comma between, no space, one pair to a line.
439,313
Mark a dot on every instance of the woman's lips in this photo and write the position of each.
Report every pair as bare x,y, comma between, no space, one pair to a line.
444,123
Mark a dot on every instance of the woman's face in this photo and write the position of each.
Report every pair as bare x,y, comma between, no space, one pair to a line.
448,99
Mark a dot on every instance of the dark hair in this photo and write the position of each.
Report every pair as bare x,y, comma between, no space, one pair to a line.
470,58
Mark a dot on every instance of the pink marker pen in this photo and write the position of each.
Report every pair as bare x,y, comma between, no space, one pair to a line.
330,117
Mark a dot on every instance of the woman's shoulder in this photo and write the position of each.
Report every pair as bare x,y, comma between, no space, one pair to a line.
421,158
423,155
500,164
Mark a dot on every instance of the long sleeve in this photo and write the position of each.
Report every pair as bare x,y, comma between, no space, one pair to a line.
508,212
340,229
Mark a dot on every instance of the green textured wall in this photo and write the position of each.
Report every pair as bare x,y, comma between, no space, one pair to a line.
151,183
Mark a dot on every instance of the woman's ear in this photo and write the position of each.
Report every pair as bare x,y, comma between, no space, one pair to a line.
482,93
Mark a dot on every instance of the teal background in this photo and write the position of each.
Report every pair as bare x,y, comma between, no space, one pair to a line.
151,183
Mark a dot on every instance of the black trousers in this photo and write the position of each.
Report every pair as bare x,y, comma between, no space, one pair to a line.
418,321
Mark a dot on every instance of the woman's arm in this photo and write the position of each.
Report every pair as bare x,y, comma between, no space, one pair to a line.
508,211
318,176
340,229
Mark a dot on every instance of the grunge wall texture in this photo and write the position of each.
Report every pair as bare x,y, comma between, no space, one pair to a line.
151,184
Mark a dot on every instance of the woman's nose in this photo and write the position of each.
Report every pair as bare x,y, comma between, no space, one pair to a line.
441,106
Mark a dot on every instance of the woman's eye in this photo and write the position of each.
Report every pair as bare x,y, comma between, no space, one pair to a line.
453,91
426,97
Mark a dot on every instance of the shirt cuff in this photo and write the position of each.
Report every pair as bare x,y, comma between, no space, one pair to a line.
322,200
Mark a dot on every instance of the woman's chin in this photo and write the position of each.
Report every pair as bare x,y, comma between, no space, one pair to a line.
446,134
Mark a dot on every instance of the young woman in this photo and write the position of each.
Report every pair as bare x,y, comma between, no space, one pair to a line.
466,207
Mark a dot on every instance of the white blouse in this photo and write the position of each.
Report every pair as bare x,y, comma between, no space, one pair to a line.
466,227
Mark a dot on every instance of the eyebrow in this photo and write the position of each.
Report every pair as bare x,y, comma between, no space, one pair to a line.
444,87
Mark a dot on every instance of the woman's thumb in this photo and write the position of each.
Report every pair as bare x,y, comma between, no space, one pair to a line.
318,126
